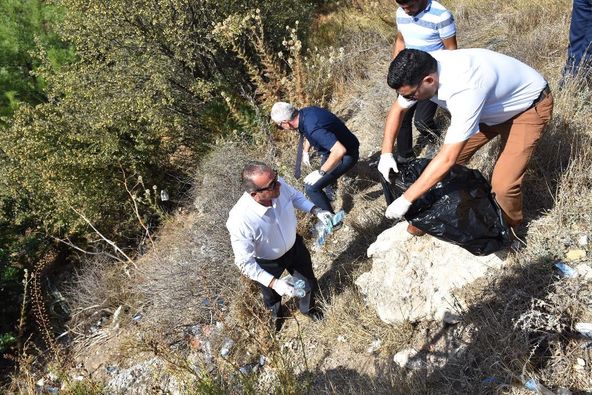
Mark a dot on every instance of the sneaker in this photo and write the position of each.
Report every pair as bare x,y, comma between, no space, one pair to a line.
415,231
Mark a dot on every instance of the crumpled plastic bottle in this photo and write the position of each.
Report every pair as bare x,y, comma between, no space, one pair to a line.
298,285
535,386
322,230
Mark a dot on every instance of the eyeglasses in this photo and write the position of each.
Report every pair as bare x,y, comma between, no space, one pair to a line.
271,185
413,96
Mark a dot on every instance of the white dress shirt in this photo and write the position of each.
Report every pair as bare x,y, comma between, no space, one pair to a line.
481,86
257,231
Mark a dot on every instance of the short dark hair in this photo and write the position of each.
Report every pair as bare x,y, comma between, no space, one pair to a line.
403,1
250,169
410,67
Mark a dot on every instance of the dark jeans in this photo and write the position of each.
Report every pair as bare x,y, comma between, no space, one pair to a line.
424,111
298,263
315,192
579,56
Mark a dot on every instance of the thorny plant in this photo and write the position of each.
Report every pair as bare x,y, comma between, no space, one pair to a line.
288,75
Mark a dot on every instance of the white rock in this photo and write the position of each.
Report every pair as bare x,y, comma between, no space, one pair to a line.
583,240
413,278
581,362
402,357
585,328
584,271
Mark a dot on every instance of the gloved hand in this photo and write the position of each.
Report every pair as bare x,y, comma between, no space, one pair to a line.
312,178
398,208
324,216
386,163
282,287
305,159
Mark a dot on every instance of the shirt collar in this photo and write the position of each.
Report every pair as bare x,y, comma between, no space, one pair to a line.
257,208
425,10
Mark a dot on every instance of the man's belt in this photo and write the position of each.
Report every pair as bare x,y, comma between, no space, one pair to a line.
544,93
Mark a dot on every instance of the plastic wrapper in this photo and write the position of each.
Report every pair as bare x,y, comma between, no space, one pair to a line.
460,209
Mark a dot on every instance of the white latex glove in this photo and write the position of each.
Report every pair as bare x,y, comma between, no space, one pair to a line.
283,288
305,159
324,216
312,178
385,164
398,208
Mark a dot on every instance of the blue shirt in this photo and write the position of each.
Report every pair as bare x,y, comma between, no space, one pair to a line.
323,129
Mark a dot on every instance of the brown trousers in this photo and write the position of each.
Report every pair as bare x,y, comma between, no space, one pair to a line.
519,135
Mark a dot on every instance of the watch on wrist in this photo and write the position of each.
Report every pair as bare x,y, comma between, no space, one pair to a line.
322,172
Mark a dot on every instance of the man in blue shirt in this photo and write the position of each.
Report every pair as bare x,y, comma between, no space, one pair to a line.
338,146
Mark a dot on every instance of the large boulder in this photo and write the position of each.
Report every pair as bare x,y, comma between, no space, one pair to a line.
414,278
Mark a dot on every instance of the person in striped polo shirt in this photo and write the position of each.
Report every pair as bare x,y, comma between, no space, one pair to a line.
426,25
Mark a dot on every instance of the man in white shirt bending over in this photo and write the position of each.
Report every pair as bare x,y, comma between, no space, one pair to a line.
488,94
262,226
426,25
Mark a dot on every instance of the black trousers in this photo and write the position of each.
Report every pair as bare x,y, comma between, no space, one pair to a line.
298,263
424,111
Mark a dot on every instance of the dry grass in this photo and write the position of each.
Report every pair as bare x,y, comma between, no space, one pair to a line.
518,322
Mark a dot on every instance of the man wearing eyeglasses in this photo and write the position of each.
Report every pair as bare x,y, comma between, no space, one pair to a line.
262,227
426,25
337,145
488,94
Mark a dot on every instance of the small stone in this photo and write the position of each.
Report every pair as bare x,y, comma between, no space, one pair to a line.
584,271
341,339
583,240
581,362
402,357
374,346
574,255
226,347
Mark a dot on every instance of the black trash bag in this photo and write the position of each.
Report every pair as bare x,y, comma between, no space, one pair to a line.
460,209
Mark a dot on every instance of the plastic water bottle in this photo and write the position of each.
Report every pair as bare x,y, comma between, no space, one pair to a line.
298,285
534,386
338,217
322,230
566,270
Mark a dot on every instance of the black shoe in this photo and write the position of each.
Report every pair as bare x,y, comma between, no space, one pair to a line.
314,314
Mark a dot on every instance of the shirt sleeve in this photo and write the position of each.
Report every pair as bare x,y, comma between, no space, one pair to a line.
243,245
324,138
447,27
465,111
297,198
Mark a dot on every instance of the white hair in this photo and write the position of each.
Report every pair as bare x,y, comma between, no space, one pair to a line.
282,111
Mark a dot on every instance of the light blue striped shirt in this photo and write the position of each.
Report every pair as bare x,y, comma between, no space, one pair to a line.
426,30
